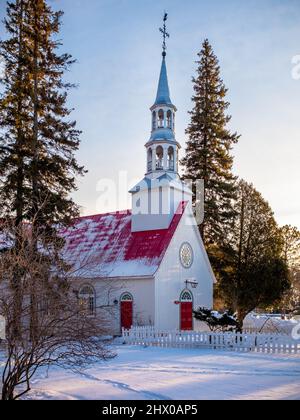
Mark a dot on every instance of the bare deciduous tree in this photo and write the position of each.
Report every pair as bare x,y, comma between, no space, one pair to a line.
55,327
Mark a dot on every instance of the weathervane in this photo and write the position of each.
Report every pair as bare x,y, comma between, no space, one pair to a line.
163,30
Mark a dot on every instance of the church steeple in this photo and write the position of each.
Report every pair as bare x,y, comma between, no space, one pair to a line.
156,198
162,148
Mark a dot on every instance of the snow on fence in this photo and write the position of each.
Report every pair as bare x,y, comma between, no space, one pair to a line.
256,342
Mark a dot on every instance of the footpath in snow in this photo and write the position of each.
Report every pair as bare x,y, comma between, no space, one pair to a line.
139,373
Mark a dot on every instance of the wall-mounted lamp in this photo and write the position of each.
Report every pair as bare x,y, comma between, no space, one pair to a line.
192,283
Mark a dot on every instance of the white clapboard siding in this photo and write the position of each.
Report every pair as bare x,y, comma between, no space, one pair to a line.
2,328
257,342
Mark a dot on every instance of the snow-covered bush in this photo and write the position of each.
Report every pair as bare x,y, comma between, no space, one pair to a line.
217,321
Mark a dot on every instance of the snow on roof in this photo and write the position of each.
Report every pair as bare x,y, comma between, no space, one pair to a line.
104,246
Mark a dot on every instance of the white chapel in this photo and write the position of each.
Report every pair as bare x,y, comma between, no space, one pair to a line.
147,265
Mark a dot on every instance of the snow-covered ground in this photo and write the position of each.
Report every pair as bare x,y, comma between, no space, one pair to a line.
139,373
264,323
269,323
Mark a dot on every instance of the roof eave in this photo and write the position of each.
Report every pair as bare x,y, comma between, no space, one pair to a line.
164,104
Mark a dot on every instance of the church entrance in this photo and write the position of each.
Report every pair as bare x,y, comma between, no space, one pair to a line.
126,311
186,311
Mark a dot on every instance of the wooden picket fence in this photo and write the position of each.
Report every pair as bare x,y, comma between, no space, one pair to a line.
241,342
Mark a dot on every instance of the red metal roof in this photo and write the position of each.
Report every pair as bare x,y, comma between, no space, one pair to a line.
104,246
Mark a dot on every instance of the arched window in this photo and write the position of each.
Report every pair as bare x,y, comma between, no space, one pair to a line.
153,120
161,117
169,119
87,300
126,297
173,121
44,306
150,155
186,296
171,159
159,158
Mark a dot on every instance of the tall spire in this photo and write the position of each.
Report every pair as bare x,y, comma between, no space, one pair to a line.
163,91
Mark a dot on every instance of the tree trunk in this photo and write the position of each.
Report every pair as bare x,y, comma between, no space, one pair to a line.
19,202
7,393
20,134
35,187
241,315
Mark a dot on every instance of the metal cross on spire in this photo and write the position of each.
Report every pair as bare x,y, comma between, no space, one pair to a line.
163,30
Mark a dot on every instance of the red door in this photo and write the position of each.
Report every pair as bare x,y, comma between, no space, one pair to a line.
186,316
126,314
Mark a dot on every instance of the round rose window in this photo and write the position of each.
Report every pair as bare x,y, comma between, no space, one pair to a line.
186,255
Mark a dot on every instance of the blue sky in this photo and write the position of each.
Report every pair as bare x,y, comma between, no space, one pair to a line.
118,48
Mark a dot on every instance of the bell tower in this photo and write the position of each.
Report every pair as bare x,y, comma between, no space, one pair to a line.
156,198
162,148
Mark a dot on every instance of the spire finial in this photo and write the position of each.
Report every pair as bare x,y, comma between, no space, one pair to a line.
166,35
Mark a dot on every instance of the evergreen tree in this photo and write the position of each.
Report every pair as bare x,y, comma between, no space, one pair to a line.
14,118
208,148
54,137
14,115
291,245
38,140
217,321
291,254
254,274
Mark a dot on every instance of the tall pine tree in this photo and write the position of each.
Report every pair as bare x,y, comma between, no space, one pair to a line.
54,137
291,254
208,152
254,271
14,142
38,140
14,115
